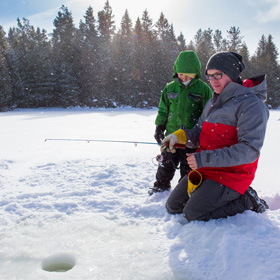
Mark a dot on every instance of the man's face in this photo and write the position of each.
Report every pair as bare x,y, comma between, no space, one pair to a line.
218,80
184,78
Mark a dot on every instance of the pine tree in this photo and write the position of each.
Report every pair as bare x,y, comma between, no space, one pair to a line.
162,26
235,39
246,59
43,84
88,64
258,59
63,34
181,42
17,64
65,52
126,25
138,64
167,51
29,65
106,29
147,27
204,46
14,65
261,50
220,43
198,38
271,53
172,44
106,23
121,84
5,81
265,61
150,51
273,73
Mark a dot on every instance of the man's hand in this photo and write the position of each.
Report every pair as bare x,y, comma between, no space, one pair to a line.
177,137
192,161
172,139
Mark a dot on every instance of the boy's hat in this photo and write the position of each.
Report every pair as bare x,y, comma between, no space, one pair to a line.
187,62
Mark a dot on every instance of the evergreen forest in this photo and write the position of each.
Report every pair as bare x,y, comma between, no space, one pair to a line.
98,65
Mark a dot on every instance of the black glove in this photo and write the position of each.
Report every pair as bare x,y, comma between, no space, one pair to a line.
159,133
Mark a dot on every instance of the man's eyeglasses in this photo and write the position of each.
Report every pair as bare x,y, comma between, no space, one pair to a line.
217,76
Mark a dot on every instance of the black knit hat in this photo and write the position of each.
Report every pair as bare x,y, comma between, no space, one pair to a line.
229,62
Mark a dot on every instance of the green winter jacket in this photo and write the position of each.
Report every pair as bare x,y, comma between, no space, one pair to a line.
179,104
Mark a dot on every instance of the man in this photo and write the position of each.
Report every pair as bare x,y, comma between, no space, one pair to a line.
229,134
181,104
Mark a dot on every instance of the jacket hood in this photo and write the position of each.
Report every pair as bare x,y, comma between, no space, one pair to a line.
257,87
260,86
187,62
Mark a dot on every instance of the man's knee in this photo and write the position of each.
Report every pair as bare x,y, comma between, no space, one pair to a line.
169,209
173,208
194,215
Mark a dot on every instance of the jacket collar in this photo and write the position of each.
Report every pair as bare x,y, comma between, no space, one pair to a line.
234,89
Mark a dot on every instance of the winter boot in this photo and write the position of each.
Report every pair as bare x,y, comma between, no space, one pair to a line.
259,204
157,187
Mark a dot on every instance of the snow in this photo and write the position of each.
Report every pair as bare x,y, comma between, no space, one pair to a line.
86,205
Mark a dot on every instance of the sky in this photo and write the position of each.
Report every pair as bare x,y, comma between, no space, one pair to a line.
253,17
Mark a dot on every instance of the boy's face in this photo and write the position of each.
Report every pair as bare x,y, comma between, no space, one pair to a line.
184,78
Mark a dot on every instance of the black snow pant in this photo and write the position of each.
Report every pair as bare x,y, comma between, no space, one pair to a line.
166,169
211,200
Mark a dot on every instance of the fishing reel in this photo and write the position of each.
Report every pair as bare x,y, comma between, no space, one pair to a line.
165,157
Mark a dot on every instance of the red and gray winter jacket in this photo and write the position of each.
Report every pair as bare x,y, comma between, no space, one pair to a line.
230,134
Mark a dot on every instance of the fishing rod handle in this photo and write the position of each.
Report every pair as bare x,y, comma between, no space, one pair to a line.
179,146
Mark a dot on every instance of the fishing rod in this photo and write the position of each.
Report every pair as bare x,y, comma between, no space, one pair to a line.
180,146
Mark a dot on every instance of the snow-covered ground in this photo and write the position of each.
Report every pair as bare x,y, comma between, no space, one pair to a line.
86,205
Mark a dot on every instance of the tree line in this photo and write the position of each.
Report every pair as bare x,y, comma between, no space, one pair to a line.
96,65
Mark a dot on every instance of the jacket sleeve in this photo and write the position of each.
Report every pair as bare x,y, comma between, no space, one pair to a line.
163,109
252,119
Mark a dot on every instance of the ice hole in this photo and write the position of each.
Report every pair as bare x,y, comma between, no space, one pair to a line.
58,263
